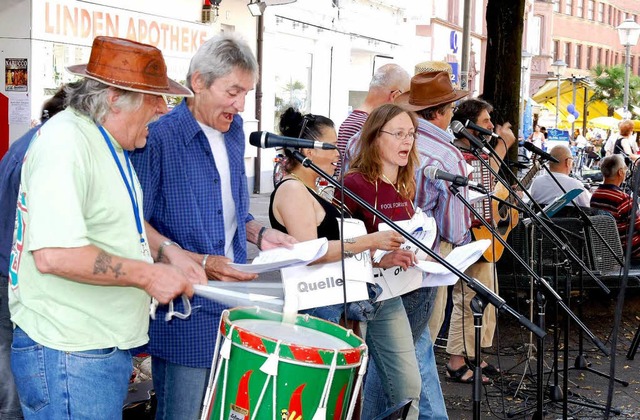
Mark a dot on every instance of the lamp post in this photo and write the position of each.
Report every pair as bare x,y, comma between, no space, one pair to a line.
628,32
558,64
526,62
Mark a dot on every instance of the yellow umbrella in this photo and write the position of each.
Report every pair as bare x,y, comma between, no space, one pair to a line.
606,123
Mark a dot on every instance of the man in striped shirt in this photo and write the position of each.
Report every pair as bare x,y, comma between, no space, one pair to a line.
610,197
387,83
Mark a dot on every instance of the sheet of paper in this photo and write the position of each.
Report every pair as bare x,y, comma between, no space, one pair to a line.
461,258
420,226
232,298
274,259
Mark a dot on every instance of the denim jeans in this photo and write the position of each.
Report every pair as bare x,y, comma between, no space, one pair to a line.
9,401
179,389
418,305
388,336
55,384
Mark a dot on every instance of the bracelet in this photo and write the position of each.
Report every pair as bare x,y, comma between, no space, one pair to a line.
161,248
260,235
204,261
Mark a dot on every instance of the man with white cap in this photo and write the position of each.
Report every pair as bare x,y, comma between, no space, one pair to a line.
82,272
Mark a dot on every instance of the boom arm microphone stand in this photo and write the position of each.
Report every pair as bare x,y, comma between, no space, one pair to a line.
568,251
482,292
581,363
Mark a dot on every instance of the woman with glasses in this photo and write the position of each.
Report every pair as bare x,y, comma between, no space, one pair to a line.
296,209
383,175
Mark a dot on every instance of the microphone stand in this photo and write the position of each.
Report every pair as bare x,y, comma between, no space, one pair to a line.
568,251
472,283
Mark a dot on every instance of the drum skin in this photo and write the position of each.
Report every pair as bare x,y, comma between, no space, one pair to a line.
302,370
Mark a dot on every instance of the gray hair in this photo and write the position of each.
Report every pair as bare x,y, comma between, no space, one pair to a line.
611,165
390,76
219,56
90,97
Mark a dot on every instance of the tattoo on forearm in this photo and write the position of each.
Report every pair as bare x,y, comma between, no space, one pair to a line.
103,265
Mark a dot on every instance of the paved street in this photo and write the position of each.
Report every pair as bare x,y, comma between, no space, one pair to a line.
517,388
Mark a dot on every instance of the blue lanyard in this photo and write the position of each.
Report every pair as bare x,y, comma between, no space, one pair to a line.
132,192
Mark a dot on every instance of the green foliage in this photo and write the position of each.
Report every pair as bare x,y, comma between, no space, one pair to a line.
609,87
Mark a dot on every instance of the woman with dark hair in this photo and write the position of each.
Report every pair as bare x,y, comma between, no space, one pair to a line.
383,174
298,210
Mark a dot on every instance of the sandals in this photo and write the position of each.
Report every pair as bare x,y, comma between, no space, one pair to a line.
458,375
490,369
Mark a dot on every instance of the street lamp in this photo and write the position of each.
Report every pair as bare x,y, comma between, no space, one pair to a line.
628,32
558,64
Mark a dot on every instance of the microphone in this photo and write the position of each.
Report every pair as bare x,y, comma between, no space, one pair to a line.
538,151
432,172
265,140
459,131
470,124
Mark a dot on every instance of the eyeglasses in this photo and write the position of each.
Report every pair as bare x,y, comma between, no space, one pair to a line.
401,135
454,109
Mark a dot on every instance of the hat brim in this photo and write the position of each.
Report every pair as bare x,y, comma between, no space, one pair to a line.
403,101
174,89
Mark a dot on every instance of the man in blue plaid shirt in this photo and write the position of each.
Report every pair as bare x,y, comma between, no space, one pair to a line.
195,188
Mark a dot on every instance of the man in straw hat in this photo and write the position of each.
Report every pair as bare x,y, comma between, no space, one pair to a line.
82,271
192,173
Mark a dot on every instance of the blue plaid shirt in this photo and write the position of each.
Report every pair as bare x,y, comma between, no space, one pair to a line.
183,201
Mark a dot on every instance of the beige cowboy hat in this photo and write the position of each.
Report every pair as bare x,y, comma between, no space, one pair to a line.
129,65
429,89
432,66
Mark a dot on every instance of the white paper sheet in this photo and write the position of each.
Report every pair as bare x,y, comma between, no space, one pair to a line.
274,259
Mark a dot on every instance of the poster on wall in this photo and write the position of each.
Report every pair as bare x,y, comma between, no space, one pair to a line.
16,74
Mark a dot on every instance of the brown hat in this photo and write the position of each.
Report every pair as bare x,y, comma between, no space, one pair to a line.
129,65
429,89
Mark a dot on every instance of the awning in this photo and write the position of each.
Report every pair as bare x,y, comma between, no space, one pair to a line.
547,96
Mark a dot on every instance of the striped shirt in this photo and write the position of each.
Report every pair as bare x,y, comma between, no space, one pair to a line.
350,127
611,198
433,196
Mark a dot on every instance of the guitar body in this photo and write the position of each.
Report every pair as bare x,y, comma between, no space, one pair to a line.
503,217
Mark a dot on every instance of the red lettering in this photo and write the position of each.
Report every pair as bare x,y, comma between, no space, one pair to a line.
175,35
131,30
184,40
142,31
113,27
85,20
70,22
98,24
154,34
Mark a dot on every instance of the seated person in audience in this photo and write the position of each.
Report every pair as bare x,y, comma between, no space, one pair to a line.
625,144
544,188
610,197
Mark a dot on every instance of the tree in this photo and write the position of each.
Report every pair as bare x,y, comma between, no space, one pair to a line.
505,24
609,87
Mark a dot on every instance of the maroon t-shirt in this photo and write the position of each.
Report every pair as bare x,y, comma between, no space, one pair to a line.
384,198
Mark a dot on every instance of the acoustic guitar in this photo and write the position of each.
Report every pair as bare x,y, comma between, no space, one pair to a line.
503,218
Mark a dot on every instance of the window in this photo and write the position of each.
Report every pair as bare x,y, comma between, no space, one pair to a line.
601,12
589,57
617,59
606,58
580,8
568,7
590,8
556,50
556,6
610,15
537,37
567,53
578,57
453,15
599,56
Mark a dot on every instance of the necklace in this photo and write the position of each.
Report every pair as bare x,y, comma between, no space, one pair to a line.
296,177
391,183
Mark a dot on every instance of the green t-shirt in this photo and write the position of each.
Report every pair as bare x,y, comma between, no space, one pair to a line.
72,195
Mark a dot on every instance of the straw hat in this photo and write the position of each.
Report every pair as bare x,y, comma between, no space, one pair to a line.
433,66
129,65
429,89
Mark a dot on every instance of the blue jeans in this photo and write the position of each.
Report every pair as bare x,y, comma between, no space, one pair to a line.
418,305
55,384
388,336
179,389
9,401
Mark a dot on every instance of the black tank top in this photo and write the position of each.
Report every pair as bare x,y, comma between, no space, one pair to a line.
328,228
